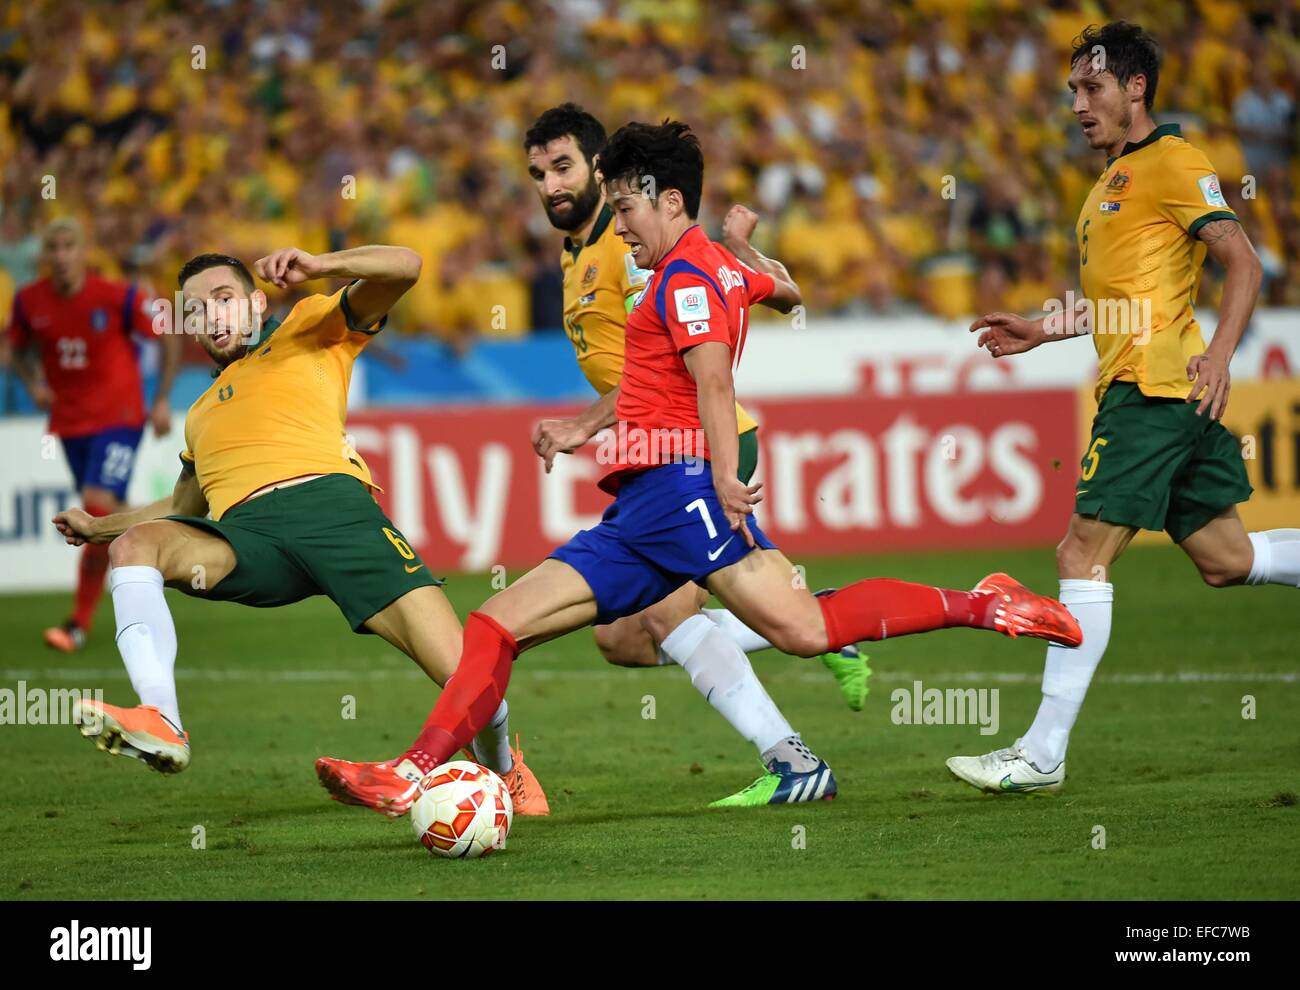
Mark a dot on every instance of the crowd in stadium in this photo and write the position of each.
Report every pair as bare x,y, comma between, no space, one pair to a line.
900,156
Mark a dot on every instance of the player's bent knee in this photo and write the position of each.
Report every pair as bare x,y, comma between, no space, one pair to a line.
139,546
798,639
615,646
657,625
1222,577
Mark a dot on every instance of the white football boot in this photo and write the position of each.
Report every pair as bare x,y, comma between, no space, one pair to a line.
1006,771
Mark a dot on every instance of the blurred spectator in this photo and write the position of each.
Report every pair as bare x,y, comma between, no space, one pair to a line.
901,155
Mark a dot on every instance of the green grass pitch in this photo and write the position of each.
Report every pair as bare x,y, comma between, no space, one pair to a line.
1195,800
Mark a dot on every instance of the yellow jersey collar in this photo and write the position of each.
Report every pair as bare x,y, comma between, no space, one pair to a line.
269,326
602,221
1172,130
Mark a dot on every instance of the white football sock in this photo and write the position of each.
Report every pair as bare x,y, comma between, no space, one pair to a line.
721,672
739,633
146,636
1068,672
1277,557
492,744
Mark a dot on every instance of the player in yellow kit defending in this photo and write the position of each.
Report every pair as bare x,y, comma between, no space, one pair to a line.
1158,458
291,504
601,284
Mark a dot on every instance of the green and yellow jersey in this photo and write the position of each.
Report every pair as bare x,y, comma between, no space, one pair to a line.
1140,260
601,282
277,412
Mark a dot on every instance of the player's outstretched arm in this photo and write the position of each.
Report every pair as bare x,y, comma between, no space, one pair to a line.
564,436
1227,244
77,526
382,273
1006,333
737,227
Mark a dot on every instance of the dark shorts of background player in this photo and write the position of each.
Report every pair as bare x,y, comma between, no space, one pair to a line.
663,530
323,537
1153,463
103,459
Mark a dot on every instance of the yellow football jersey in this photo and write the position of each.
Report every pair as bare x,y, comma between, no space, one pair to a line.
277,412
601,281
1140,260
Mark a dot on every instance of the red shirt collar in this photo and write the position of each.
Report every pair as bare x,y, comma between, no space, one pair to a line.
693,234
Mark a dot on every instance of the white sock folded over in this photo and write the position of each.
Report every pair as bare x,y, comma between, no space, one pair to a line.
1277,557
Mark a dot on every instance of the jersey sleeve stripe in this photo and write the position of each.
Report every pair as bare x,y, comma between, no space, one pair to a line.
351,319
128,310
1201,221
681,265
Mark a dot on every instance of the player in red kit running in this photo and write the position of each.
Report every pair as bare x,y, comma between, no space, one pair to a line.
79,326
680,512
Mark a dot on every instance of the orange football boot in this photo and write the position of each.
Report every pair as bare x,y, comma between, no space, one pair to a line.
67,638
1025,613
526,794
385,787
142,733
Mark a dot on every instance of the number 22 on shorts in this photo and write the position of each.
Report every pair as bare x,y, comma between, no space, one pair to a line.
1093,458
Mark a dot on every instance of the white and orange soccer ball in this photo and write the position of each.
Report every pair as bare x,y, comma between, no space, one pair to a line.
463,811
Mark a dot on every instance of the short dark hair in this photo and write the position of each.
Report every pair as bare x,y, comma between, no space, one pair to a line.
1129,51
202,262
568,119
668,153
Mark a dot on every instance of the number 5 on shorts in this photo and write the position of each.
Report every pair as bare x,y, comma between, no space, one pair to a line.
1093,458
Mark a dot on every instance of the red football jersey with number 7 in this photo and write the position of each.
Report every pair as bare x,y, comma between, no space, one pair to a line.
699,292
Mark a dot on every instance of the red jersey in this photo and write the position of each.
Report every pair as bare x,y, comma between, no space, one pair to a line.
698,292
86,351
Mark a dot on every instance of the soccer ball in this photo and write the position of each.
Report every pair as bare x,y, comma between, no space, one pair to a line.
463,811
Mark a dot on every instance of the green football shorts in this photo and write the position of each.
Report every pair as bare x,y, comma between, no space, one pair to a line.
1153,463
327,537
747,463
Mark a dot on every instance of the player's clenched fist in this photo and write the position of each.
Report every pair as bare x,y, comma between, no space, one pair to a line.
77,526
738,224
286,267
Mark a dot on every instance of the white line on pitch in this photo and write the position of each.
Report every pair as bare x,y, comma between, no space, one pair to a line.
608,673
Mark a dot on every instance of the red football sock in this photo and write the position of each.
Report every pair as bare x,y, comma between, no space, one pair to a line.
471,696
878,608
90,575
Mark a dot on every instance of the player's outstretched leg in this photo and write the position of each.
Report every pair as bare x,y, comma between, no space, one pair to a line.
1036,761
423,625
758,589
721,672
143,559
628,642
1224,554
549,601
848,665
